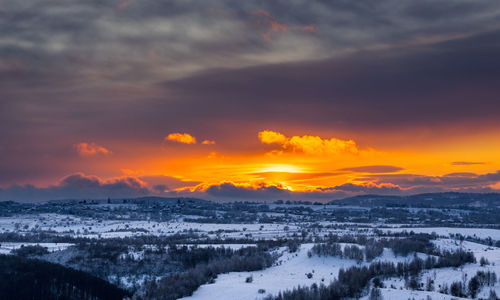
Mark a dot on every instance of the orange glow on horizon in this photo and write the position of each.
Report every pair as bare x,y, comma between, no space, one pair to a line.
295,163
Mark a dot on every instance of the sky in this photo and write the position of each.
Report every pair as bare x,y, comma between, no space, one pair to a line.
248,100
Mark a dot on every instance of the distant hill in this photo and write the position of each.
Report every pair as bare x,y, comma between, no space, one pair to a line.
153,199
448,199
139,200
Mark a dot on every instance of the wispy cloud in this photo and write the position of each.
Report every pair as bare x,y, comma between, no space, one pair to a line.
373,169
91,149
467,163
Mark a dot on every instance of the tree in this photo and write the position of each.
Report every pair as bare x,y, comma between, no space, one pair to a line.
474,286
429,286
414,282
456,289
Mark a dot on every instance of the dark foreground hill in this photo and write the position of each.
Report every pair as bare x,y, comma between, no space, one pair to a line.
22,278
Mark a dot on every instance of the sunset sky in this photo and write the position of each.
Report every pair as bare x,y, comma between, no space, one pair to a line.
248,100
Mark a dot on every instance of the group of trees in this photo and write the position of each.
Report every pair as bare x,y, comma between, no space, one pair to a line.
326,249
372,248
191,256
481,279
335,249
104,250
417,243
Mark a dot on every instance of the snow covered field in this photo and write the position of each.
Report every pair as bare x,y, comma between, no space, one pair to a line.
289,271
92,228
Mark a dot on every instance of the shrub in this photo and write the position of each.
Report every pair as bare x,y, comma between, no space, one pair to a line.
483,261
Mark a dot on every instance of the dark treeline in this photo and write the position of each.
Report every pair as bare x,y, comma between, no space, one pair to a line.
373,248
187,237
206,264
352,282
192,256
371,251
401,244
31,250
22,278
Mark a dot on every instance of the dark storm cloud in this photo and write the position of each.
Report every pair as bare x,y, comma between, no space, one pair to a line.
150,40
229,190
431,85
77,186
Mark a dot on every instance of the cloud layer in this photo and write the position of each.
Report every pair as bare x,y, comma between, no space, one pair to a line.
81,186
336,76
